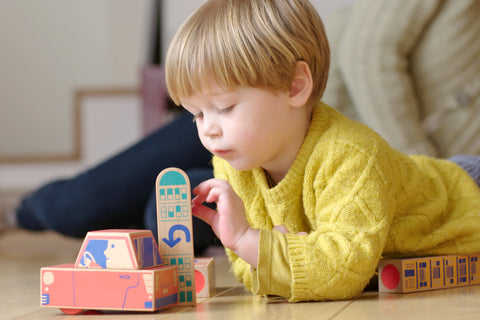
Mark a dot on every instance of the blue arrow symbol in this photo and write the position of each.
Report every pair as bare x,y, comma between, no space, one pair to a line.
171,242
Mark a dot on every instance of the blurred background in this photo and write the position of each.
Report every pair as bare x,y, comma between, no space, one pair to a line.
78,79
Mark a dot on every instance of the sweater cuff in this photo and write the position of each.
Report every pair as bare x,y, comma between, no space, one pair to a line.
272,276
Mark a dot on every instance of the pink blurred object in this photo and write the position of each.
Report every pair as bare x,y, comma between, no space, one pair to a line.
154,98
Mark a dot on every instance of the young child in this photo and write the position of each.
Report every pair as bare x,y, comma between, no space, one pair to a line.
308,201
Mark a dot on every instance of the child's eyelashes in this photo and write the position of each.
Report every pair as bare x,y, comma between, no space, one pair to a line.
199,115
227,109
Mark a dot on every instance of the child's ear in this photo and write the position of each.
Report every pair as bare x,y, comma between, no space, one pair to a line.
302,85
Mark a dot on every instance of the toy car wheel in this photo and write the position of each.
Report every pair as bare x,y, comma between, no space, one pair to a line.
71,311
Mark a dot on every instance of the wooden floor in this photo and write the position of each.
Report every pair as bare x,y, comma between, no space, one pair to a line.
22,254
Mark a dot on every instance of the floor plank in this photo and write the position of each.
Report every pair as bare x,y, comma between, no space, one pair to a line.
454,303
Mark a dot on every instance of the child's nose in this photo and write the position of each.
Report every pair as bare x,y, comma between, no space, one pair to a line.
211,127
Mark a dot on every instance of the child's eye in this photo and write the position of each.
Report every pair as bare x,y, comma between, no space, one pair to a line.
227,109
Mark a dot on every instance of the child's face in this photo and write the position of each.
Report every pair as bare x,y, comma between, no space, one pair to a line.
248,127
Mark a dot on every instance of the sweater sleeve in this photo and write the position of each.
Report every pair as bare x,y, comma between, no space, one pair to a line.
374,62
337,260
273,275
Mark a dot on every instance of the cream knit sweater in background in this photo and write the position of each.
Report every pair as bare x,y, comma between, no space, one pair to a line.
410,70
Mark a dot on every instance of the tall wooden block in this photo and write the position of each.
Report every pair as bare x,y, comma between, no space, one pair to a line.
205,277
175,238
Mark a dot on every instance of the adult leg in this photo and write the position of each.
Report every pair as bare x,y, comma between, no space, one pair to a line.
114,193
203,235
471,164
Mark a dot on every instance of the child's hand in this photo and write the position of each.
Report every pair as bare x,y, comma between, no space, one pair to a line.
228,221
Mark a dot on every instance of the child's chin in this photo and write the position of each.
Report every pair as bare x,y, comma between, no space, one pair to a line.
240,166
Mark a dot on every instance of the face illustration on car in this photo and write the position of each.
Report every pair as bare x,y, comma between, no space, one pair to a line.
106,254
115,254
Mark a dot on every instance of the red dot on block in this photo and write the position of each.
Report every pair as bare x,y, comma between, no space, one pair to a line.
199,281
390,276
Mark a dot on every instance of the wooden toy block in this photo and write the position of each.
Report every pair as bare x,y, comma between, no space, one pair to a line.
473,268
428,273
174,217
449,270
462,270
114,270
205,277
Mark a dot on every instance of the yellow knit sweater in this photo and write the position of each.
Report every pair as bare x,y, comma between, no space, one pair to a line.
358,199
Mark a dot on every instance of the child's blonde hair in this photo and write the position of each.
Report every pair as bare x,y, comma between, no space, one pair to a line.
249,43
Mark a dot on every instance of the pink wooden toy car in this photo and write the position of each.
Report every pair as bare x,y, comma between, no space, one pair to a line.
114,270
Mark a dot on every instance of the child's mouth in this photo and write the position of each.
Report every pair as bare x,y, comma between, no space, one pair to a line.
221,153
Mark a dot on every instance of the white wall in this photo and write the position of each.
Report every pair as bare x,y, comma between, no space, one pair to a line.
49,49
99,142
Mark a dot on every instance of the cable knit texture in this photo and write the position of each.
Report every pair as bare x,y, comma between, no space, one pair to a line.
410,70
358,199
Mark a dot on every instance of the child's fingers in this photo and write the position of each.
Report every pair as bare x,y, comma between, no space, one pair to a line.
204,185
202,190
210,190
213,195
199,199
204,213
210,196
